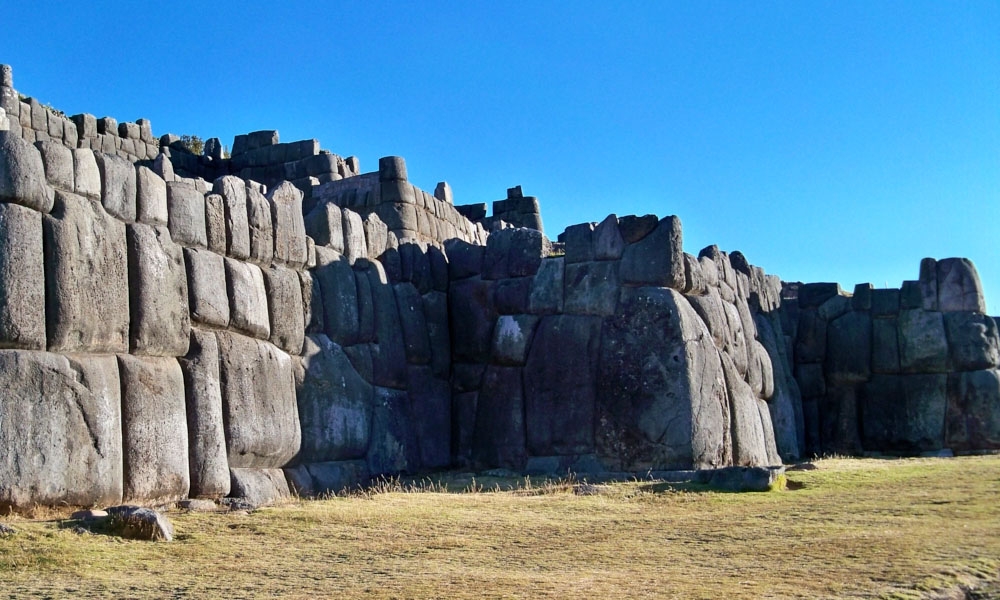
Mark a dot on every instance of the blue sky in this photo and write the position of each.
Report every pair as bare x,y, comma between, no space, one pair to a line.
828,141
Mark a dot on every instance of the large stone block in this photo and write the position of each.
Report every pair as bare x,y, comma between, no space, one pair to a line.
512,338
749,444
339,290
608,241
838,420
849,348
215,223
973,419
248,311
58,162
958,286
547,294
785,404
923,344
658,258
810,343
335,404
413,323
209,465
186,214
514,253
470,308
464,259
661,393
22,279
579,241
258,403
592,288
904,413
118,191
86,278
973,341
885,345
259,487
393,446
22,174
284,306
289,227
207,296
261,231
154,429
560,385
430,411
158,293
435,305
86,174
389,352
233,191
325,224
151,197
60,430
500,436
355,246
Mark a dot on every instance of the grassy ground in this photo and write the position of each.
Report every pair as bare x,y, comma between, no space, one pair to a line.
849,528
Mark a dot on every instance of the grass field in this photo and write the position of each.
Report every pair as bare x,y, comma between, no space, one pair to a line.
915,528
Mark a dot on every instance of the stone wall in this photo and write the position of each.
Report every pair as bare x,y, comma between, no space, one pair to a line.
904,371
623,354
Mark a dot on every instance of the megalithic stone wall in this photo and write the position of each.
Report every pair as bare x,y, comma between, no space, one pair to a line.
904,370
624,353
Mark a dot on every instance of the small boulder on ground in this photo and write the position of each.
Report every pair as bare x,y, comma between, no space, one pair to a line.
139,523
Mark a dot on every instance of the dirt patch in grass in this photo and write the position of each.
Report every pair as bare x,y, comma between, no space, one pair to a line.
911,528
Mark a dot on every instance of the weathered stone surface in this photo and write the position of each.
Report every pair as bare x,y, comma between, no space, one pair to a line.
435,307
393,446
923,345
710,308
186,210
430,411
910,295
338,477
57,160
833,308
464,259
547,291
927,284
904,412
669,409
785,403
658,258
258,402
471,310
414,324
885,303
339,291
261,230
284,307
885,346
22,174
559,385
215,223
635,228
973,341
812,295
86,278
289,227
312,303
591,288
62,446
376,235
579,241
511,296
325,224
608,241
810,343
743,479
117,186
86,175
838,420
810,377
389,353
22,279
335,404
500,437
206,280
158,293
514,252
139,523
849,348
512,337
209,466
749,442
355,246
958,286
248,312
233,192
154,429
259,487
973,417
151,197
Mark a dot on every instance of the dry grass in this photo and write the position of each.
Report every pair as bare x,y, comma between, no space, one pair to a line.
850,528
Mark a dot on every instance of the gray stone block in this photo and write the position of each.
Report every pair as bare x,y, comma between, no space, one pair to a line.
215,224
158,293
413,323
389,353
849,348
511,295
57,160
923,344
592,288
209,466
958,286
258,403
393,447
338,477
547,290
206,279
973,417
86,278
811,379
248,311
261,231
154,429
810,343
430,413
63,446
325,225
471,310
579,240
335,404
259,487
927,284
885,346
22,174
376,236
339,291
234,200
118,187
885,303
151,197
635,228
22,279
186,210
464,259
500,437
657,259
289,227
973,341
904,413
608,241
284,306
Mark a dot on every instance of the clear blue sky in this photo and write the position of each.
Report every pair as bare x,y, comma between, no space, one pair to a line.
833,141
